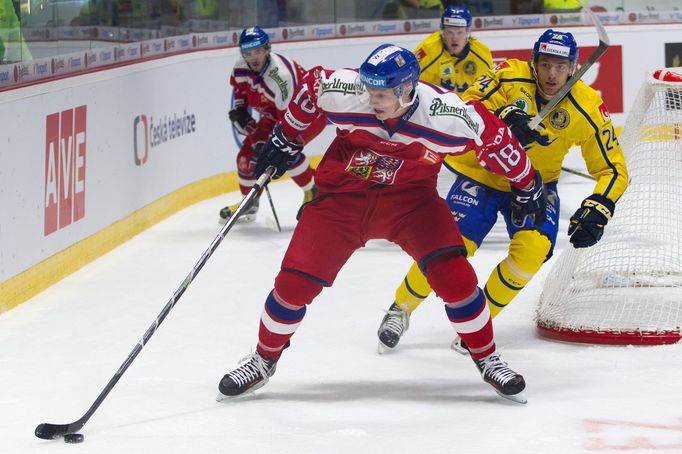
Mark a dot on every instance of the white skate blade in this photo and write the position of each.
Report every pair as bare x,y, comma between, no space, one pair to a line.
250,393
456,346
223,398
519,398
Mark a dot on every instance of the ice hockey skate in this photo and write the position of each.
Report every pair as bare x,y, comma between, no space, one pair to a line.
252,374
459,346
507,383
248,216
395,323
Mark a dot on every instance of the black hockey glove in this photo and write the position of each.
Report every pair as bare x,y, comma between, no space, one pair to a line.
278,152
530,202
517,120
243,121
587,224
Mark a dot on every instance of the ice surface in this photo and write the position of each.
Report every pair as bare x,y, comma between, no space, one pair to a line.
332,392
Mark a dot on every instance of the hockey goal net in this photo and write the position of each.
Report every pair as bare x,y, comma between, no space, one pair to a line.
627,289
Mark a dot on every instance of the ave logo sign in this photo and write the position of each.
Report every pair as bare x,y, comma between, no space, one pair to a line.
65,151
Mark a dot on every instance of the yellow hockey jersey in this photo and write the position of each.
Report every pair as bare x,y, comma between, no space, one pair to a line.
440,68
579,119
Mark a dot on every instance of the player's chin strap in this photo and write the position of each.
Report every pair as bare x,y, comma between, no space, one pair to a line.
413,97
403,104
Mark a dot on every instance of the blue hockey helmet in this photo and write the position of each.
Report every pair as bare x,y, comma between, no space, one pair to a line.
390,66
252,38
557,44
455,16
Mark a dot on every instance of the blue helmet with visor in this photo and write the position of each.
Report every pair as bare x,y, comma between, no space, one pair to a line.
253,38
390,66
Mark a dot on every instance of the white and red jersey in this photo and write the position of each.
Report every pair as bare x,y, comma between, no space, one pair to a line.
268,91
367,151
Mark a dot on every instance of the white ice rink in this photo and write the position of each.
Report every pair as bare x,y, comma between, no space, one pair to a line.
332,392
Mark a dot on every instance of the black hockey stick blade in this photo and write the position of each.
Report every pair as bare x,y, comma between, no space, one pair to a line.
556,99
48,431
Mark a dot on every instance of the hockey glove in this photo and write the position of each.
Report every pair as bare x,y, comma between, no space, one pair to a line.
243,121
530,202
587,224
517,120
279,153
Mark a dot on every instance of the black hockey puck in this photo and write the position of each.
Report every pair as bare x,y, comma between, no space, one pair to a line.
73,438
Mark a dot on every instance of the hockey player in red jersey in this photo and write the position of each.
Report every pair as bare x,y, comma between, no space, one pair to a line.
378,180
264,81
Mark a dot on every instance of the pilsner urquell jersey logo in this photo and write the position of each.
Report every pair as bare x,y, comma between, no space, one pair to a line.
64,168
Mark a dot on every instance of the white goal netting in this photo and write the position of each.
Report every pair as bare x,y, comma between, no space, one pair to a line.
627,289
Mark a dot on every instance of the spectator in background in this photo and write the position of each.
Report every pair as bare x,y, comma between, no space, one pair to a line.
412,9
202,9
269,12
97,12
419,9
526,7
480,7
13,48
562,6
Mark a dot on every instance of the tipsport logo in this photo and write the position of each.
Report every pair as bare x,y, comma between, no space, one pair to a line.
150,132
65,163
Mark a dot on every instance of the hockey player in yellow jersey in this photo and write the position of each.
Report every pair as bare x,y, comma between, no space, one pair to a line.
451,57
517,91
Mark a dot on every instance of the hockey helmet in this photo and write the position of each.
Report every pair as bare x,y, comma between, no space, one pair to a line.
557,44
390,66
252,38
456,16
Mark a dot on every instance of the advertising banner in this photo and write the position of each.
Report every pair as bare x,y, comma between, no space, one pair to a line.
80,158
127,52
153,47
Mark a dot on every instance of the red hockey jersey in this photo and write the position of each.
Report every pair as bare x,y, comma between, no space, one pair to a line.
367,151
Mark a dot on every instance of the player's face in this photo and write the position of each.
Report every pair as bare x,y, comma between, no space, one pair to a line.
384,103
552,72
256,58
455,38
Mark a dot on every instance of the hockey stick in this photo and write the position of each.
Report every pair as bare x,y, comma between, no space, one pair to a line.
576,172
556,99
272,207
50,431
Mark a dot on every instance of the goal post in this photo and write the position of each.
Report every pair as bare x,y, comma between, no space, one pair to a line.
627,289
